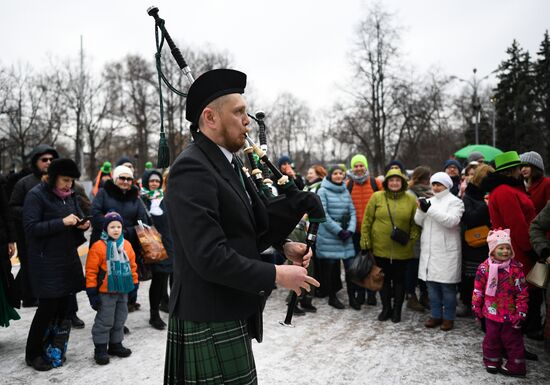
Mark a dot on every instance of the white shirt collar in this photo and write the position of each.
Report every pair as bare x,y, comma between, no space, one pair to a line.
226,152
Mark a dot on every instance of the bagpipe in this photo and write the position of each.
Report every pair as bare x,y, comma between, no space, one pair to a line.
285,208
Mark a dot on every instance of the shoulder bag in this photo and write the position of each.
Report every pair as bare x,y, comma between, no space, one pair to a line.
397,235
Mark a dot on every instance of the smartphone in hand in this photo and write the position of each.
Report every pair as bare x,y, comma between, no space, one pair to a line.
83,220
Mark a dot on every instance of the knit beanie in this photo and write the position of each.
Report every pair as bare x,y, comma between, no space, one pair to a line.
122,160
474,156
333,168
111,217
452,162
532,158
395,163
119,170
499,237
359,158
442,178
283,159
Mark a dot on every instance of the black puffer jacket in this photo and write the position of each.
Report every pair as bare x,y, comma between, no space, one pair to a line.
54,266
127,204
476,213
161,224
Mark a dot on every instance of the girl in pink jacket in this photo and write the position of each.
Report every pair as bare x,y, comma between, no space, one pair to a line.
500,297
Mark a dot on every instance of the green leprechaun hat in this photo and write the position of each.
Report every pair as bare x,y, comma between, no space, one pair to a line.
507,160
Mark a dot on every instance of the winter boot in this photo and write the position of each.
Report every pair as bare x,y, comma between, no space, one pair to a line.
371,298
118,350
433,322
38,363
447,325
413,304
351,289
306,304
385,297
298,311
76,322
399,297
424,300
100,354
155,320
335,302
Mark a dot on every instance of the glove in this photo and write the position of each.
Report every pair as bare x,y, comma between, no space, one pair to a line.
544,254
344,234
93,297
532,255
424,204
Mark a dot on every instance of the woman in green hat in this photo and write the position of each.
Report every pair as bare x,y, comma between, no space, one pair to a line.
511,208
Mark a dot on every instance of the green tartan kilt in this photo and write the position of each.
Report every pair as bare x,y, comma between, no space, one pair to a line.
209,353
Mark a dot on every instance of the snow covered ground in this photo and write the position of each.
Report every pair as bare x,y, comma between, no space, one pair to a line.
329,347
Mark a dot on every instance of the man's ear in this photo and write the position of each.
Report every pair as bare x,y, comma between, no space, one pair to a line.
209,117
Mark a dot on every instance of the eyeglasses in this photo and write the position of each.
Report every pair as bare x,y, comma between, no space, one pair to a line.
125,179
47,159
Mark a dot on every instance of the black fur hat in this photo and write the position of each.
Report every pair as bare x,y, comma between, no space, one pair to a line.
64,167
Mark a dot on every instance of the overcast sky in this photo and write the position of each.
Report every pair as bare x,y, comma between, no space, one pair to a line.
300,46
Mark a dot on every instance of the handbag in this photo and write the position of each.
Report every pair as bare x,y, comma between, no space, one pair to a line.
152,249
538,276
397,235
374,280
477,236
360,266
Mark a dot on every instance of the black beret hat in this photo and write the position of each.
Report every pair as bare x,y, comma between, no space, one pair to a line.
64,167
209,86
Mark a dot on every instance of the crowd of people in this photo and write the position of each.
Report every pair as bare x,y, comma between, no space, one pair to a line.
416,223
45,218
458,242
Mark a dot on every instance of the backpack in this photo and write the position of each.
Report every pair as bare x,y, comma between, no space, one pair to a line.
372,181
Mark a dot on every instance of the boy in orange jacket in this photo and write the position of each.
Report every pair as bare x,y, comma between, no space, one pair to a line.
111,273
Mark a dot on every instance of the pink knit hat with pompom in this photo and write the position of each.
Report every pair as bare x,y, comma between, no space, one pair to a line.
499,237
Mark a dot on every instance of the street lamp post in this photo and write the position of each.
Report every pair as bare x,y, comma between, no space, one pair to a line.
476,104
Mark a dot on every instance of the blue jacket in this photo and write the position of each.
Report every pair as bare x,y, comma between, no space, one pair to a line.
338,208
54,266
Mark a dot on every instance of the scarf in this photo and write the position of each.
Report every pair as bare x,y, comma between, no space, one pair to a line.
492,280
62,194
119,272
358,179
155,196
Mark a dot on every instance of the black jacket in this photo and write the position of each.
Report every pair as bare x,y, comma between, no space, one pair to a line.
161,224
127,204
476,213
54,266
218,234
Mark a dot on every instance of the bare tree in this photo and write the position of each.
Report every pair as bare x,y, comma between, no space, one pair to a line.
135,102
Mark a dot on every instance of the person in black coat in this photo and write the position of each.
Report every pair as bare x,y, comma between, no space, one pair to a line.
8,296
476,213
40,159
53,229
219,227
153,198
120,195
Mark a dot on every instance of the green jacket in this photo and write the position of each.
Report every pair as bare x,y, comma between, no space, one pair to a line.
377,227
